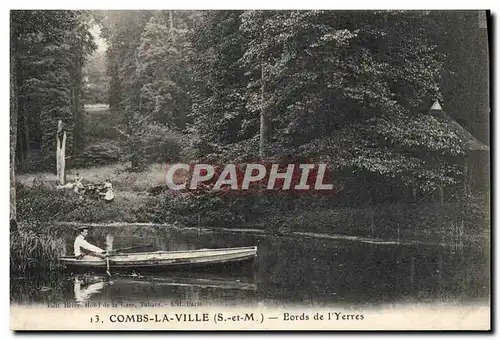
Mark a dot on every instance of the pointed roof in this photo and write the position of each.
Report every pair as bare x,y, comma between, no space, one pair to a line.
436,106
469,142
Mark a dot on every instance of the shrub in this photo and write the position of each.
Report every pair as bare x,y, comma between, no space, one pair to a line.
40,204
100,153
161,145
149,142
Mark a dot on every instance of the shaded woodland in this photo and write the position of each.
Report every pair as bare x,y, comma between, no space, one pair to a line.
349,88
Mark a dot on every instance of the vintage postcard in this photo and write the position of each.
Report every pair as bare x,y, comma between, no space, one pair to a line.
250,170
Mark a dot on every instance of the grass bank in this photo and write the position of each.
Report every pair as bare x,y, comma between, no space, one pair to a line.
124,181
286,215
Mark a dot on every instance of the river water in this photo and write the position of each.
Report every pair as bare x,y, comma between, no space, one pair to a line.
287,271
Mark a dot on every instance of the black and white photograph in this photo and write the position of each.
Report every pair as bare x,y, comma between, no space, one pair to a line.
250,169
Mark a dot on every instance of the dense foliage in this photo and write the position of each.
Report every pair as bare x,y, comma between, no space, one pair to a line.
149,80
350,88
49,51
278,214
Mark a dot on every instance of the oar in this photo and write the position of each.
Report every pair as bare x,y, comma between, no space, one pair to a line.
109,248
128,248
109,251
107,266
120,249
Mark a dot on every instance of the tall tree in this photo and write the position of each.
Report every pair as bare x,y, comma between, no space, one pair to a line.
462,37
122,30
219,114
164,70
82,45
149,62
50,48
14,31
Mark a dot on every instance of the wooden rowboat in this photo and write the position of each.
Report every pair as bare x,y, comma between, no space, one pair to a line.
165,259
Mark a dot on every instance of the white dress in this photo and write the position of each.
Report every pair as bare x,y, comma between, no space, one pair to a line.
109,192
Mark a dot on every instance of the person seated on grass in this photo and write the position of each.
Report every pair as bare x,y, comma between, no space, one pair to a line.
80,243
77,183
78,178
69,185
108,194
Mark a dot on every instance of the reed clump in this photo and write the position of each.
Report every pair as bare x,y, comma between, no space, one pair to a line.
32,252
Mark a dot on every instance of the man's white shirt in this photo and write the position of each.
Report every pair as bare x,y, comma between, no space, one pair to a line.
81,243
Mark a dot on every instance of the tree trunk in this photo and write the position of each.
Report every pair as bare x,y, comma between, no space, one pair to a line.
466,176
264,121
441,194
171,20
20,147
77,110
13,124
75,102
372,213
61,154
26,145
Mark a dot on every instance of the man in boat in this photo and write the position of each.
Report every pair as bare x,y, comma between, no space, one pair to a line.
80,243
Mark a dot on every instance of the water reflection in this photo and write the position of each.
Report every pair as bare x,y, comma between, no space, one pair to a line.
84,290
86,287
220,283
109,242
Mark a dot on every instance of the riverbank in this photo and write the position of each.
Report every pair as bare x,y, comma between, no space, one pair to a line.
273,215
444,242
